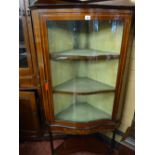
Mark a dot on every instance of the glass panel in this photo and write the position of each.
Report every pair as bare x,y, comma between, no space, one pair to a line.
31,2
22,48
84,58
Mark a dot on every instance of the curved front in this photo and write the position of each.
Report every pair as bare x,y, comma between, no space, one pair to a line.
90,129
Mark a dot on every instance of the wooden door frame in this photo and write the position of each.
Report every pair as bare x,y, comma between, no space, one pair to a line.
39,21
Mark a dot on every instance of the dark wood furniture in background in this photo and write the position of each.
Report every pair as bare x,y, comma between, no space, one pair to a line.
28,114
29,99
28,77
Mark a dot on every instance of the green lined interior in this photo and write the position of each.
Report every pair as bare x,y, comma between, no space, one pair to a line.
82,112
101,71
83,85
105,36
81,108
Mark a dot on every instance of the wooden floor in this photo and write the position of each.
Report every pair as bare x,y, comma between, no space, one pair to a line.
44,148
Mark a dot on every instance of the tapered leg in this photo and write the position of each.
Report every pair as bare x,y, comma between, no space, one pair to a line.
51,142
112,143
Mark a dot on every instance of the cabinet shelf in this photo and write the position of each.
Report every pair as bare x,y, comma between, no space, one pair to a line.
82,112
83,86
84,54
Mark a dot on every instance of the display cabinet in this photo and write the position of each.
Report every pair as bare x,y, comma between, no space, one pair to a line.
82,53
27,59
82,57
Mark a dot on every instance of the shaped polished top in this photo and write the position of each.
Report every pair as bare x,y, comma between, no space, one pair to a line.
127,4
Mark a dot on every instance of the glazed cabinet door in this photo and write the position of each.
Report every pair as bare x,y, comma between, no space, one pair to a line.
29,124
27,62
83,55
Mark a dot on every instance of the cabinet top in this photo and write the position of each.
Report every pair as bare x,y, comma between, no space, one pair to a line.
106,4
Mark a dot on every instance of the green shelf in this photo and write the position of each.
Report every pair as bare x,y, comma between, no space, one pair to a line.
83,85
84,54
82,112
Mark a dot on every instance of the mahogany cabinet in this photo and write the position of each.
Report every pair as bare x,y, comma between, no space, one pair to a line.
29,124
82,55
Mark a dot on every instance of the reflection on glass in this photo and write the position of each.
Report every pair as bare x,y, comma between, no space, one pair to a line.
31,2
22,48
84,61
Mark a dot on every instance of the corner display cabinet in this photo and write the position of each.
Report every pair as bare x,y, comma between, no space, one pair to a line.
82,51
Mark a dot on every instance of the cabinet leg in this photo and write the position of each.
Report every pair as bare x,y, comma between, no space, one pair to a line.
113,142
51,142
